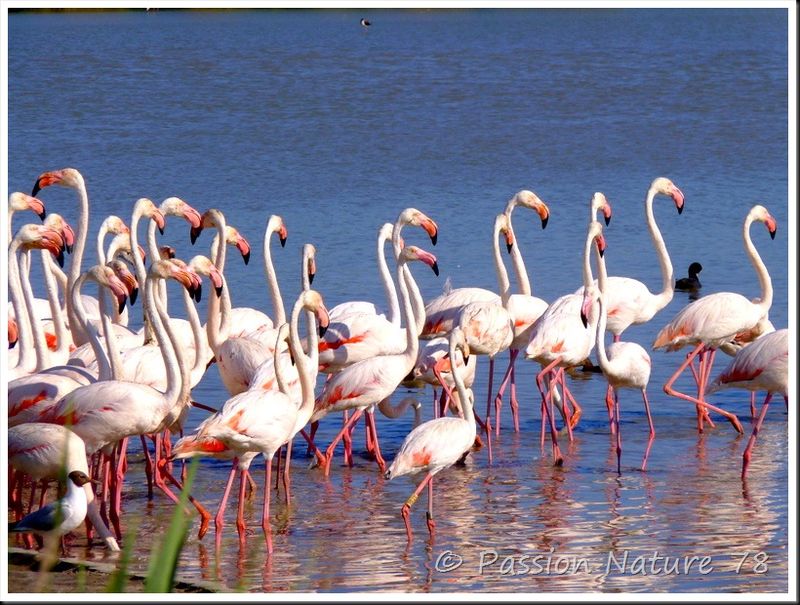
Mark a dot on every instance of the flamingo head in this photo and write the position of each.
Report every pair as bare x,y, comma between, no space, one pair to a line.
590,296
13,332
666,187
409,253
385,232
312,301
412,216
234,238
759,213
458,341
275,224
126,277
170,269
596,234
166,252
175,206
600,203
310,254
114,224
40,237
210,218
67,177
196,282
528,199
57,223
146,208
22,201
202,265
502,224
105,276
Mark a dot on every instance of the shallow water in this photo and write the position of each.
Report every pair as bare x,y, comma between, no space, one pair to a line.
337,129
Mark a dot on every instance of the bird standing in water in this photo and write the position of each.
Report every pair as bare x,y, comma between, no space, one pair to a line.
59,517
691,283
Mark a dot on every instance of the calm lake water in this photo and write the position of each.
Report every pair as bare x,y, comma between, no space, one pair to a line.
337,128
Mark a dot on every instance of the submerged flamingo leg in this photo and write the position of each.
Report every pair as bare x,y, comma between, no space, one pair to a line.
406,510
265,525
498,400
310,438
752,405
148,467
241,526
370,418
489,396
311,447
548,409
704,372
514,402
219,518
429,518
619,432
332,447
670,391
752,441
652,429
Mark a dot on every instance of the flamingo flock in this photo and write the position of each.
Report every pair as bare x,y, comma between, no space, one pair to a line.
82,382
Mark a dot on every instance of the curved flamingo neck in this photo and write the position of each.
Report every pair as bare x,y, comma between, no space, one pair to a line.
307,365
588,279
101,354
395,411
218,322
520,271
412,343
100,244
503,282
272,279
602,357
59,323
177,375
200,346
39,342
25,339
463,395
78,336
417,303
138,263
764,279
667,276
218,250
115,361
389,289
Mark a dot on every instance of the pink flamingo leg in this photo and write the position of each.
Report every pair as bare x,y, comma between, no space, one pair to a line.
219,518
310,438
435,403
752,441
287,480
311,447
378,457
332,447
278,473
148,468
498,400
514,402
489,398
241,526
619,432
752,405
405,512
610,408
706,360
670,391
431,523
265,525
652,429
547,404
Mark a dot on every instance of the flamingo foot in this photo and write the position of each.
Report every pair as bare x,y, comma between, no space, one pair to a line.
405,512
431,524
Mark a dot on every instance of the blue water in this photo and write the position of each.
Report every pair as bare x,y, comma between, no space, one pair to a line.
336,128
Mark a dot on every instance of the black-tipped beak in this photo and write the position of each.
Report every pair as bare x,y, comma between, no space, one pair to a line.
161,229
246,257
198,293
218,290
68,248
680,209
509,247
434,239
607,220
544,221
322,330
121,306
42,216
291,357
283,242
194,233
134,295
601,251
466,357
311,278
12,344
60,257
36,189
435,267
773,232
584,319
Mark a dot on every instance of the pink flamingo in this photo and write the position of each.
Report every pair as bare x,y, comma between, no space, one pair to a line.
19,202
259,421
558,341
436,444
760,366
107,412
713,320
368,382
624,364
523,307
